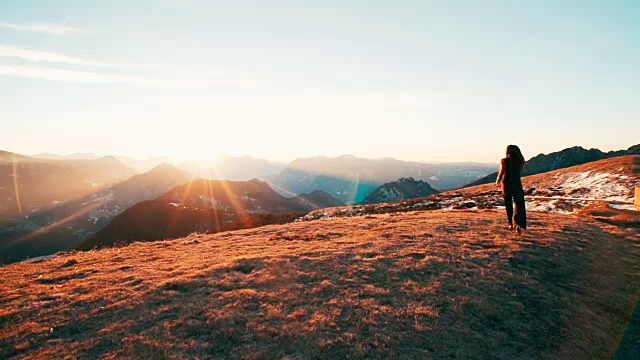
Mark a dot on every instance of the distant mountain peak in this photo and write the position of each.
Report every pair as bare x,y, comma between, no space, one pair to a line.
105,159
163,167
347,157
406,180
401,189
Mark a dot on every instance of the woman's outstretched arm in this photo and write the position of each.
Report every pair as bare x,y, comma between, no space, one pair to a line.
501,173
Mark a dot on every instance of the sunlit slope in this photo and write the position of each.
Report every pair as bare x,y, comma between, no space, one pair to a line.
400,285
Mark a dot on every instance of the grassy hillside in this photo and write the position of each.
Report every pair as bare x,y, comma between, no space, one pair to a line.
400,285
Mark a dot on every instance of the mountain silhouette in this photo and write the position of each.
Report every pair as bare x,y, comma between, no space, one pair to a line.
206,206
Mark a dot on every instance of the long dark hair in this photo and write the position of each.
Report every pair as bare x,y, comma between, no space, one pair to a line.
514,153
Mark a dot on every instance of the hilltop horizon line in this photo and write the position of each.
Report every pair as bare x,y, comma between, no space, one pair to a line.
216,158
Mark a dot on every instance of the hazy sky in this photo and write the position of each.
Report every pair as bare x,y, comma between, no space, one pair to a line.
415,80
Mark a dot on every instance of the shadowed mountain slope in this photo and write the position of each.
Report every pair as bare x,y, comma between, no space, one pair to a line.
317,199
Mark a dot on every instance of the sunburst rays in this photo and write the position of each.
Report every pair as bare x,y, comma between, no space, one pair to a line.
217,193
16,186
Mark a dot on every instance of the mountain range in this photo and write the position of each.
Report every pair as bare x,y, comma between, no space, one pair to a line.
140,166
351,179
234,168
226,168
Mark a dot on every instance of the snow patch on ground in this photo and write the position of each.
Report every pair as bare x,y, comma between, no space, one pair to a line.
601,185
624,207
246,197
38,258
559,206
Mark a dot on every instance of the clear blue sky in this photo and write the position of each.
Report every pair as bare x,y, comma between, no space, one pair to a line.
415,80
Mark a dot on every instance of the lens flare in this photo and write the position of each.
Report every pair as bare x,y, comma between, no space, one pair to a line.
16,187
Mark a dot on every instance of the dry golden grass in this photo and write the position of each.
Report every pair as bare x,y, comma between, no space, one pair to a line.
401,285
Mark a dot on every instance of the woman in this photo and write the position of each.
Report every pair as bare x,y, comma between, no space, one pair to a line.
509,178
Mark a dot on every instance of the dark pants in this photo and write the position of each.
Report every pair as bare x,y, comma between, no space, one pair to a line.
514,193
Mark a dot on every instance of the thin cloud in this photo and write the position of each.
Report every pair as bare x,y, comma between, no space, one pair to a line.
15,52
79,76
44,56
43,73
177,72
43,28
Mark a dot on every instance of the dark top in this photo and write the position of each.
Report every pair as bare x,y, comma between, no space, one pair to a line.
511,173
